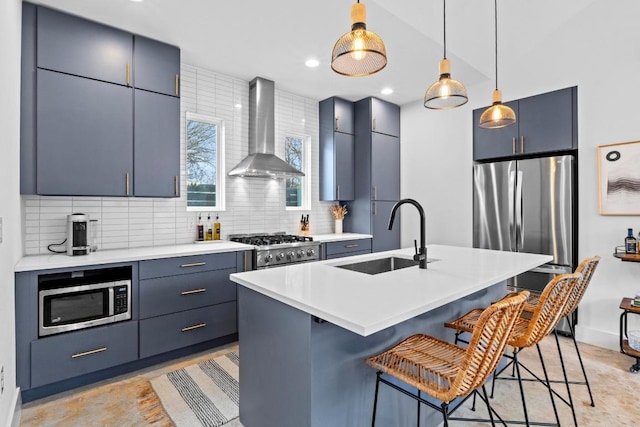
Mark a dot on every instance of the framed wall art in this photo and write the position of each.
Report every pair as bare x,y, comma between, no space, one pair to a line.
619,178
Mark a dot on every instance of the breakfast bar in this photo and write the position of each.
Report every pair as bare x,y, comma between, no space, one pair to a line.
306,329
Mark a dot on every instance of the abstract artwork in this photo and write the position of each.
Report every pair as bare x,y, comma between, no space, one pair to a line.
619,178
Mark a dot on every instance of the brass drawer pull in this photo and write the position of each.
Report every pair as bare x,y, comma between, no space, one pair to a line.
353,245
128,74
194,264
193,291
175,184
88,353
191,328
126,183
177,84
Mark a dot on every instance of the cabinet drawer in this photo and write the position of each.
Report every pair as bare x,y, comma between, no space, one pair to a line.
166,333
187,264
342,255
348,247
76,353
164,295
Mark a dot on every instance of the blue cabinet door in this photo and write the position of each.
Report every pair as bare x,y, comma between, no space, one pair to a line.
156,66
85,136
385,167
548,122
385,117
495,143
74,45
383,238
343,116
344,166
157,145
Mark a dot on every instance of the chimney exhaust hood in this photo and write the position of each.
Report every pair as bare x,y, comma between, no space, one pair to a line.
262,161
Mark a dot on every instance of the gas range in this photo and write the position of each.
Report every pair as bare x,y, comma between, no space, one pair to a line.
278,249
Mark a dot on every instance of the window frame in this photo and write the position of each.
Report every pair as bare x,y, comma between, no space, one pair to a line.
306,169
220,160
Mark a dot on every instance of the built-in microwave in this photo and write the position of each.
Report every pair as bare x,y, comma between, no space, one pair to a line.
82,299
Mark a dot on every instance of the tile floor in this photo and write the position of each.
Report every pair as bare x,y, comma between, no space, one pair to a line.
616,391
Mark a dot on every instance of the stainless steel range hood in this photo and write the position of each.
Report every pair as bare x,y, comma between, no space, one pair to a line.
262,161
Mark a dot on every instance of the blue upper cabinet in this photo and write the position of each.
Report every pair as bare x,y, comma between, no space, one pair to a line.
73,45
545,123
156,66
337,149
385,117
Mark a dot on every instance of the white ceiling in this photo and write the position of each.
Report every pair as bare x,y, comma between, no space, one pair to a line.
272,39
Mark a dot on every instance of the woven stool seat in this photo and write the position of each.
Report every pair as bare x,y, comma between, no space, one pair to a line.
447,371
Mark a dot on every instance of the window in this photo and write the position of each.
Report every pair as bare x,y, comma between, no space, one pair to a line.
204,165
297,188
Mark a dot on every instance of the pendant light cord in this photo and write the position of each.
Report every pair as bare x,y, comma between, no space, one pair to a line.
444,26
495,9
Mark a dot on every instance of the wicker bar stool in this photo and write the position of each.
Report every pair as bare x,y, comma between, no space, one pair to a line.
529,332
446,371
586,268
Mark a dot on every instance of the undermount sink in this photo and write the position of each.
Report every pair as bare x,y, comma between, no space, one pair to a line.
381,265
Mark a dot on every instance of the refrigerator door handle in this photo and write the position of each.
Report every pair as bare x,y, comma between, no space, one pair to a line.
519,217
552,269
512,231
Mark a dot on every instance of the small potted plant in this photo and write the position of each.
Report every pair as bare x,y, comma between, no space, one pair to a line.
338,213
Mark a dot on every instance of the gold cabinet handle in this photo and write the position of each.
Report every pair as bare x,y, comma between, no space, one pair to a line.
177,84
191,328
521,144
88,353
338,192
175,185
375,122
126,179
375,192
128,74
375,208
337,123
513,145
193,291
353,245
193,264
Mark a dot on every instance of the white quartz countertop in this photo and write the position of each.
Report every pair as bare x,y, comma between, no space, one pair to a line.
49,261
365,304
323,238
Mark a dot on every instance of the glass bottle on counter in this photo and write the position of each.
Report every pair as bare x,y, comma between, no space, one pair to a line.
630,242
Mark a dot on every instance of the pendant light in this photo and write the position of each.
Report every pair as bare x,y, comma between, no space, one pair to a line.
446,93
358,52
498,115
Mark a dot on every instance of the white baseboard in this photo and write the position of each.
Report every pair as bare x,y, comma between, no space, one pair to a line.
16,413
597,337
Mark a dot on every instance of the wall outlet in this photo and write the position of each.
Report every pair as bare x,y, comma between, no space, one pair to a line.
1,380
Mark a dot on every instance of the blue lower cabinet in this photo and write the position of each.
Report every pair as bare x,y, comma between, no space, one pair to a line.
72,354
172,331
348,248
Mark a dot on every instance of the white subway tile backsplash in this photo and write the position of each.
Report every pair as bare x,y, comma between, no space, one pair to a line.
252,205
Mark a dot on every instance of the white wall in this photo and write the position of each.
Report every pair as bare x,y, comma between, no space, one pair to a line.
594,51
252,205
10,248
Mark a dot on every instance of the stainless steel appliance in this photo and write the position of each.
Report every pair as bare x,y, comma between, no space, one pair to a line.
78,234
278,249
528,205
82,299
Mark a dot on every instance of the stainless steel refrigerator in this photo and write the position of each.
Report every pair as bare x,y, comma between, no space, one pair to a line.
528,205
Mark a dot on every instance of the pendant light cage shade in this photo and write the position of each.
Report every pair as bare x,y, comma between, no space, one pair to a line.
498,115
359,52
446,93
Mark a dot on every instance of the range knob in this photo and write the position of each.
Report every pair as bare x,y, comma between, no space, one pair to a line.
300,253
268,258
291,255
310,252
280,256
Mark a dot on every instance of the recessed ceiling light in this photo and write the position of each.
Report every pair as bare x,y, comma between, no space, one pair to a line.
386,91
312,63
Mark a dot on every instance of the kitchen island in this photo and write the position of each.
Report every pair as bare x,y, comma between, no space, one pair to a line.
305,331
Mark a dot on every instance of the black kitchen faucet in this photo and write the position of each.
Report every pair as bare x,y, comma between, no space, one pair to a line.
421,253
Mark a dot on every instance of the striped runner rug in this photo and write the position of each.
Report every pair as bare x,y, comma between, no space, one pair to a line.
204,394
